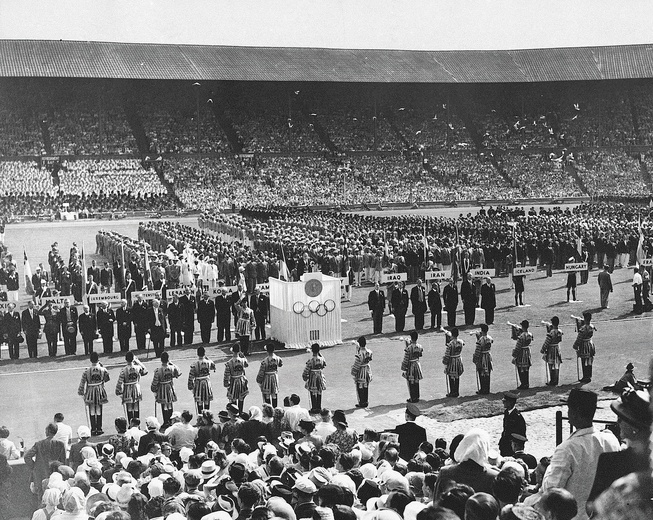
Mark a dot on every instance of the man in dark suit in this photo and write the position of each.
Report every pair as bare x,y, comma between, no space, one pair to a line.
187,303
399,306
88,328
418,301
139,318
12,327
106,278
435,305
94,271
39,456
411,435
605,285
205,313
124,321
105,318
260,304
513,422
68,321
32,327
488,300
450,300
174,313
156,323
468,297
376,304
223,316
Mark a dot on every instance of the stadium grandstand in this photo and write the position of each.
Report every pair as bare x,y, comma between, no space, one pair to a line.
188,127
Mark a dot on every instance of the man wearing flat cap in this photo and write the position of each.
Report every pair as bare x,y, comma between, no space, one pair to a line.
513,422
411,435
576,459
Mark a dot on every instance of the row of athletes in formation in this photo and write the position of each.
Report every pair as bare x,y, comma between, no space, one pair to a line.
93,379
92,384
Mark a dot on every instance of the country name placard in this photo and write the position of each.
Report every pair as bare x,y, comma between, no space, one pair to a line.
147,295
437,275
646,262
578,266
264,287
106,297
56,300
522,271
394,277
481,273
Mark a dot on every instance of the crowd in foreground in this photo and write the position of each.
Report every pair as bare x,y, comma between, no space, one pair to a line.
284,463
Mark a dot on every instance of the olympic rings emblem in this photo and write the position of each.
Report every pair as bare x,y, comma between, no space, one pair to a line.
314,307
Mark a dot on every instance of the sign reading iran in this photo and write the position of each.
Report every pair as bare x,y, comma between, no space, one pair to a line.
147,295
579,266
112,297
394,277
264,287
646,262
481,273
521,271
437,275
57,300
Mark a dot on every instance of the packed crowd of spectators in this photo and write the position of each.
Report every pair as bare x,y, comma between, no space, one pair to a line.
614,174
537,177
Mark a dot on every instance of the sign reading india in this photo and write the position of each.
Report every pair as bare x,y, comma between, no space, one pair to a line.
264,287
147,295
56,300
646,262
393,277
481,273
437,275
579,266
112,297
521,271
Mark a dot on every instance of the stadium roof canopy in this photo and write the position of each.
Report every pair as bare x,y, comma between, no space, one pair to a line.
75,59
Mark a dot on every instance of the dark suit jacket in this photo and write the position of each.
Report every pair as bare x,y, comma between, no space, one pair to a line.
418,307
140,315
174,313
411,435
605,282
87,325
434,300
124,321
260,305
31,325
468,293
206,310
450,297
222,308
513,422
105,320
376,302
613,466
38,458
11,324
488,296
156,333
64,320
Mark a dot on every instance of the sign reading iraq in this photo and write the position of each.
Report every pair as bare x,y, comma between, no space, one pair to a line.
393,277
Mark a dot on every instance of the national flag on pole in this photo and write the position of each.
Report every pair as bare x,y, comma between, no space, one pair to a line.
84,280
122,260
640,244
146,281
29,287
284,273
426,246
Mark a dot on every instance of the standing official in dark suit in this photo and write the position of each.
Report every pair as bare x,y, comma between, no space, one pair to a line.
260,304
175,321
605,285
105,320
205,313
12,327
68,321
31,327
468,297
187,303
450,300
418,301
139,318
376,304
411,435
39,457
88,328
156,323
223,316
488,300
399,306
513,422
124,321
435,305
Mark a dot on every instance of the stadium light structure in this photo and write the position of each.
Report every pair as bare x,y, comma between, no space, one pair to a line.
197,86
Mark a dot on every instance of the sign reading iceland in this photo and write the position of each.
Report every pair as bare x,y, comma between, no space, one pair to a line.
437,275
393,277
521,271
147,295
481,273
577,266
112,297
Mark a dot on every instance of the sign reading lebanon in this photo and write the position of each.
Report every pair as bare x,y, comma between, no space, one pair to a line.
394,277
437,275
112,297
578,266
521,271
147,295
481,273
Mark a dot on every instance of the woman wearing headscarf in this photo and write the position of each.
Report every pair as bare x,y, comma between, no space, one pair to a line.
472,467
50,501
74,506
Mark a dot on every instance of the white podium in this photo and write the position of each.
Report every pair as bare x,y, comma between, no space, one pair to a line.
306,312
